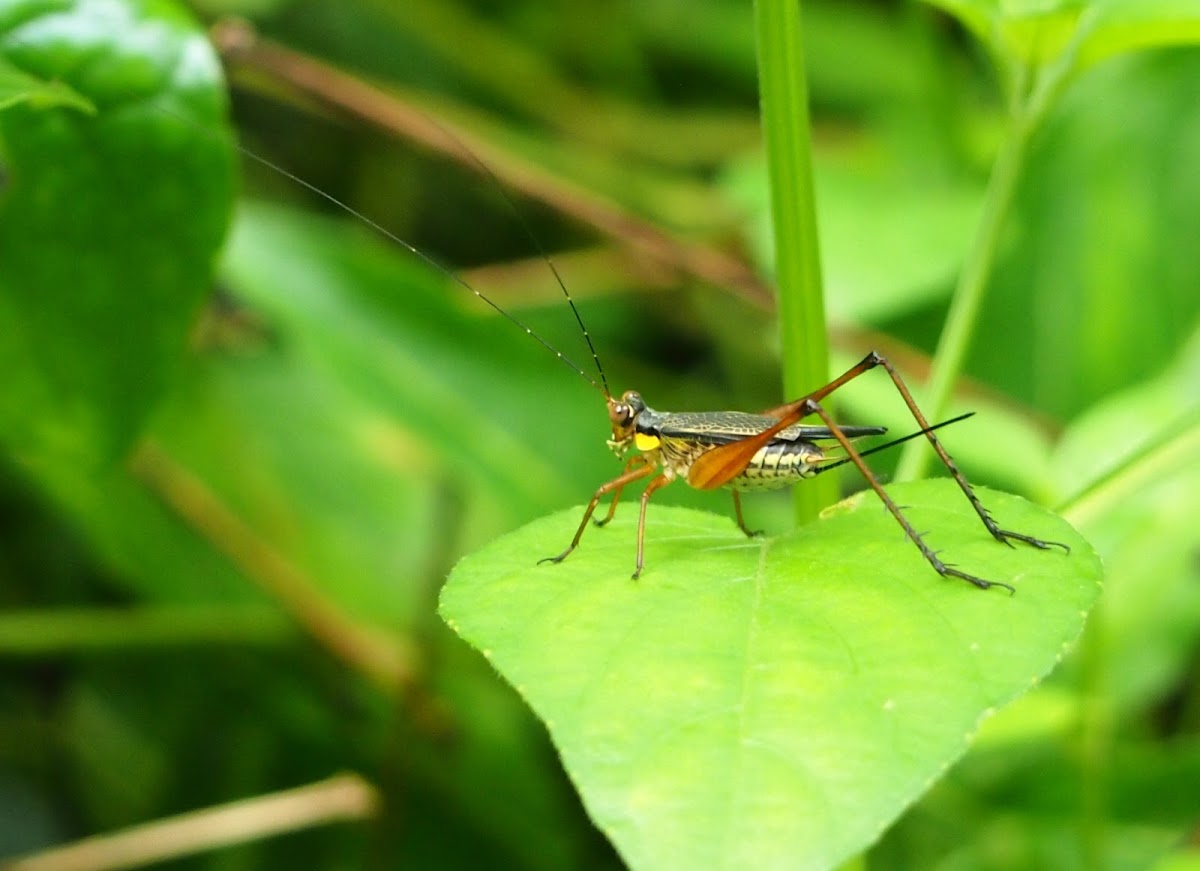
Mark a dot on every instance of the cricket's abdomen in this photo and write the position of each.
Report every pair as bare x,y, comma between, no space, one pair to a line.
778,463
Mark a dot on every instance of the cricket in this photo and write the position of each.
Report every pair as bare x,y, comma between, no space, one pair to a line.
767,450
709,450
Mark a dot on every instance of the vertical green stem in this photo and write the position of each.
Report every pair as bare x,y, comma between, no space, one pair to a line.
783,93
1034,91
968,295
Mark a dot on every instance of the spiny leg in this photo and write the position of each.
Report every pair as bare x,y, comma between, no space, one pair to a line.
656,483
930,555
615,484
793,411
1005,535
721,465
741,521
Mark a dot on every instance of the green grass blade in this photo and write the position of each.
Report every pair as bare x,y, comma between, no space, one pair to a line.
784,98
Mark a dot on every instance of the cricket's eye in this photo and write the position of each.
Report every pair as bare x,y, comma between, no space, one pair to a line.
621,415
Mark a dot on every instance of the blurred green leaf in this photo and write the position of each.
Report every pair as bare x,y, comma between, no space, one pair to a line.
1019,809
917,224
1139,511
344,502
1084,32
17,86
446,385
100,285
768,703
1096,288
1118,26
1018,31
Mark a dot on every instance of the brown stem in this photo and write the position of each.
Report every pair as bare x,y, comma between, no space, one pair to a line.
241,47
388,660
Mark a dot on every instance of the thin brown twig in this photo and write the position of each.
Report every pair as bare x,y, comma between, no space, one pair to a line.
344,797
389,661
241,46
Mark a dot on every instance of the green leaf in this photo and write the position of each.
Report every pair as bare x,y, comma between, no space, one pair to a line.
17,86
1019,31
1122,26
108,223
918,226
1034,31
769,703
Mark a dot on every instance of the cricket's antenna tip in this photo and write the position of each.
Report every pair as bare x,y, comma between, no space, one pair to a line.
537,243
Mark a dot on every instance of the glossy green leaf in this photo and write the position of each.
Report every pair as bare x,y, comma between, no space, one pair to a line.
108,223
769,703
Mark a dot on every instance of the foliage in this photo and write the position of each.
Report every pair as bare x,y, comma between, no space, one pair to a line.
230,501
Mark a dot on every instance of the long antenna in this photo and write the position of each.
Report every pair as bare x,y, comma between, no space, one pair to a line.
537,243
430,260
239,35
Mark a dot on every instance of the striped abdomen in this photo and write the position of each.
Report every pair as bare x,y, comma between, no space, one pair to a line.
776,464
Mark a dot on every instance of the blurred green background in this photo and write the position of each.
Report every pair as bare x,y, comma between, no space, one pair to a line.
228,500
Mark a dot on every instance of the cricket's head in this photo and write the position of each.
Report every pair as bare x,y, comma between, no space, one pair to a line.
623,414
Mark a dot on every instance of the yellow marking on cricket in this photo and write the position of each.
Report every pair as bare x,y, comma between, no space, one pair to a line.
646,442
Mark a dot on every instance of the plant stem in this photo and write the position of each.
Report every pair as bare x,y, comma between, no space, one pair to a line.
1034,92
783,94
66,631
972,284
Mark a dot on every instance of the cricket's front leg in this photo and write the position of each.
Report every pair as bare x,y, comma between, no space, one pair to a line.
612,506
661,481
614,485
